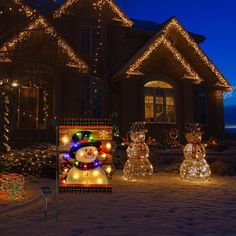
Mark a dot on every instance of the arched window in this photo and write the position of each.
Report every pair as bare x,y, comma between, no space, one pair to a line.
159,102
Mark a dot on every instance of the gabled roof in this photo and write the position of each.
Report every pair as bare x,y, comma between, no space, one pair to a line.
174,23
143,54
133,66
114,7
41,23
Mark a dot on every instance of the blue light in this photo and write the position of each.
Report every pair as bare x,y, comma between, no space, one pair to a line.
66,156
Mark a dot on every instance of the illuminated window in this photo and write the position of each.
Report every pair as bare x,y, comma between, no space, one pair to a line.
159,102
30,108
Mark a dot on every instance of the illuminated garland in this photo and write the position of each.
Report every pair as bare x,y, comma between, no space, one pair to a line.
98,6
162,40
45,106
7,86
41,23
64,8
175,24
120,13
6,123
24,8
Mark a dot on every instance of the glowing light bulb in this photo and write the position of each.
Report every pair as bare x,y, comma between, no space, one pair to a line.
14,84
104,155
76,176
108,146
108,169
65,139
82,154
100,181
95,173
65,170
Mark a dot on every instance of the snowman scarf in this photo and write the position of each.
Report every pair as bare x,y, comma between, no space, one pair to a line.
88,165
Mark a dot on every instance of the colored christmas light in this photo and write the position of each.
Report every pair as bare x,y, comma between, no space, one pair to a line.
12,184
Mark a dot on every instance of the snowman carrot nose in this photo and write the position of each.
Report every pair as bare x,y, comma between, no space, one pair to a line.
90,152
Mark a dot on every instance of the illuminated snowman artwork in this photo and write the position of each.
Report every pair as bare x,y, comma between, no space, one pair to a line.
87,168
194,167
137,166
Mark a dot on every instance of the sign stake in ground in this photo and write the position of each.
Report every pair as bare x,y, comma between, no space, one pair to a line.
46,191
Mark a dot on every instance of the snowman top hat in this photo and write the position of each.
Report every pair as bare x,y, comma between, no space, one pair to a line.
193,128
83,139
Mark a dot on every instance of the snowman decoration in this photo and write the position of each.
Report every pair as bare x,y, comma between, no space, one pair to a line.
87,168
195,166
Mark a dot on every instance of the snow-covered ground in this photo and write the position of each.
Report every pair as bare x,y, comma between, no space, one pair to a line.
165,205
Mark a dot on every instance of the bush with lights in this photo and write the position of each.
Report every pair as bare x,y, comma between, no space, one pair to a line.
37,160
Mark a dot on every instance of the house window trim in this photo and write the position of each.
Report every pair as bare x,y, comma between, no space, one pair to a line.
164,103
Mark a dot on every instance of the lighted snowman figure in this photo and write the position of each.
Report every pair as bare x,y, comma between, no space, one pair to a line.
195,166
87,169
137,166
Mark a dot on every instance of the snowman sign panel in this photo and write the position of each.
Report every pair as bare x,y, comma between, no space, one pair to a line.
85,159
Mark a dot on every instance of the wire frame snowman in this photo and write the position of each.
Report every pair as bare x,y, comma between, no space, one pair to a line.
195,166
137,166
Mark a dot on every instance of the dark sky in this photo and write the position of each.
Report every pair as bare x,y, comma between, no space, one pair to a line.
215,19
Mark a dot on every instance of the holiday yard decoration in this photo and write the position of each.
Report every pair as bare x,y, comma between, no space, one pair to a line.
172,138
137,166
194,167
87,168
37,160
12,184
86,156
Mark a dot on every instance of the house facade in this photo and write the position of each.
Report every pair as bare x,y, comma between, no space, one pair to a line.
89,60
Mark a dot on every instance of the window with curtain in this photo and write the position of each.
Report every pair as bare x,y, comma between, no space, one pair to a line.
159,102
